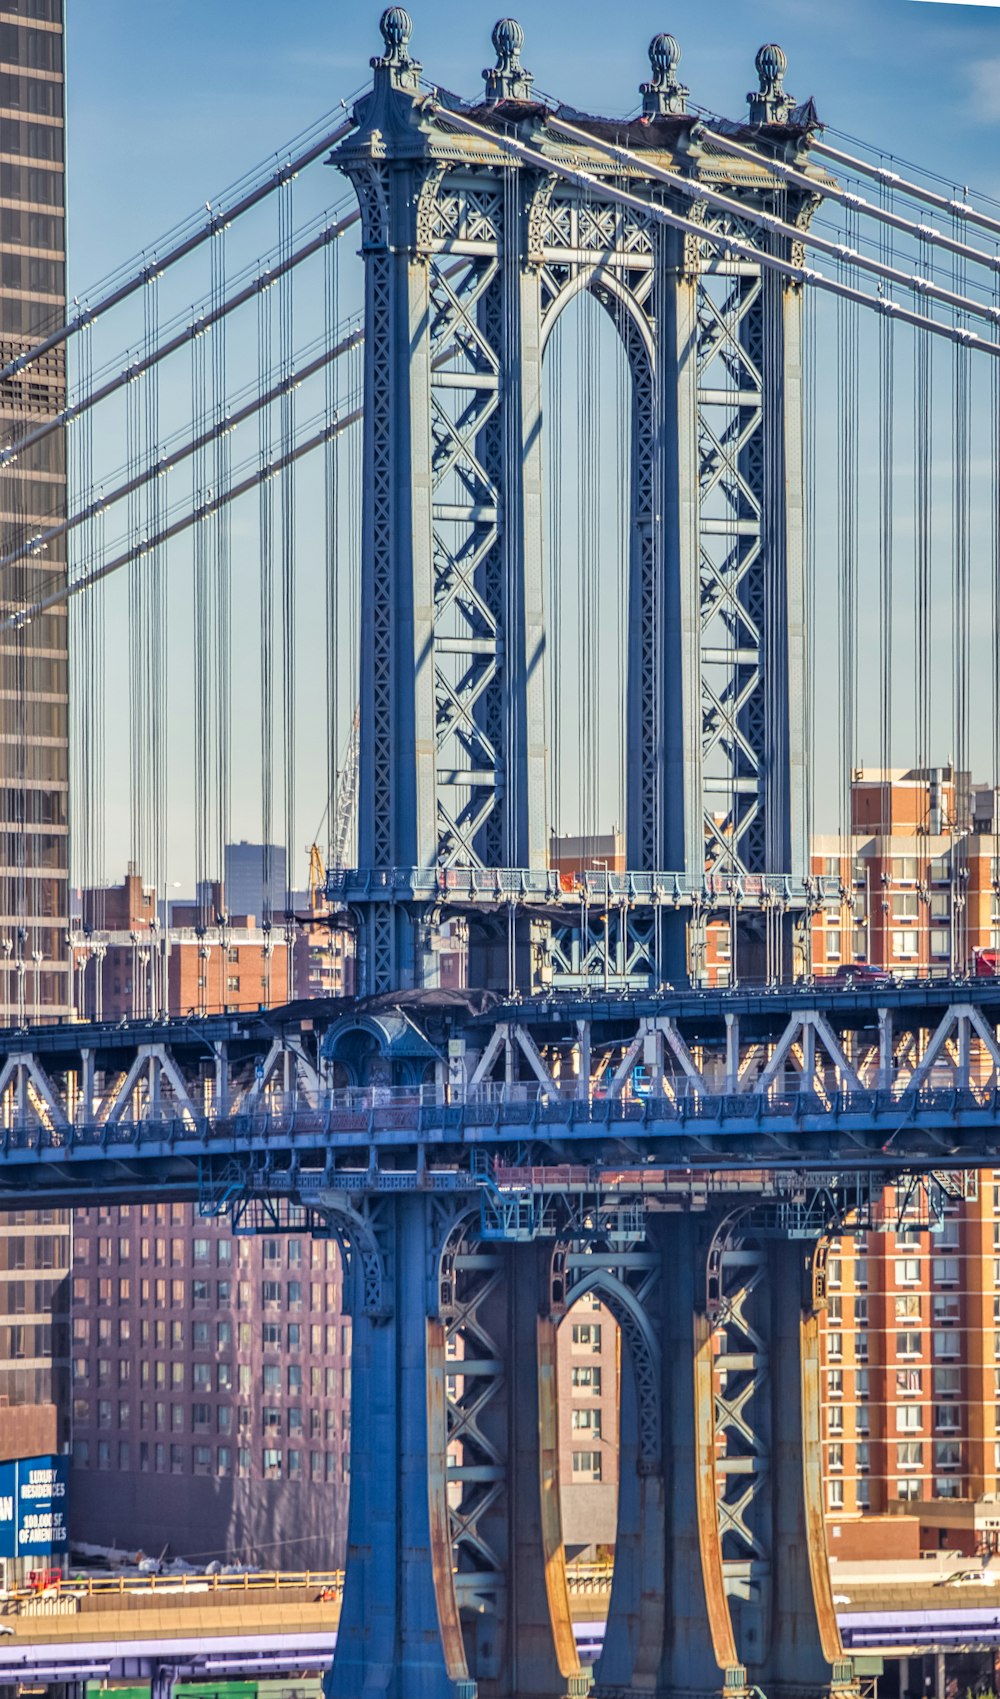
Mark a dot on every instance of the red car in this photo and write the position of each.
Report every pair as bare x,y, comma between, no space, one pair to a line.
862,973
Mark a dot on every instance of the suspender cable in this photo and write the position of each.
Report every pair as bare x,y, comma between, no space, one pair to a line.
168,459
994,467
810,304
286,413
923,387
554,401
201,510
832,191
333,587
846,253
729,244
220,308
201,618
848,468
155,684
961,823
959,210
886,500
222,572
216,220
265,534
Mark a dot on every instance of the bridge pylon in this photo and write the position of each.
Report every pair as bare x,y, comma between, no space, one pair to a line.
471,254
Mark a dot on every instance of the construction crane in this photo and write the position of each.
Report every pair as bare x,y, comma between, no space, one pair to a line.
347,798
343,820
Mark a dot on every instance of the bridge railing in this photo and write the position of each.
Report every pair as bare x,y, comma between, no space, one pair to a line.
296,1117
69,1588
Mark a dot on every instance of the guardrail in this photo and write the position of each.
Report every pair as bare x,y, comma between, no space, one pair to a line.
69,1588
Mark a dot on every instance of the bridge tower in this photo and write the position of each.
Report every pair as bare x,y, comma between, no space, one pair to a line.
471,254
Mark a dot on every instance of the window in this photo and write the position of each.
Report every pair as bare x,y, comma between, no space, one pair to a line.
224,1336
947,1486
272,1465
201,1417
863,1494
909,1455
294,1379
223,1461
272,1377
835,1383
947,1454
835,1419
835,1495
908,1345
907,1271
834,1271
948,1383
946,1418
946,1344
587,1420
224,1377
946,1307
586,1336
199,1336
834,1346
835,1457
199,1292
201,1463
200,1250
909,1418
270,1291
587,1379
908,1381
862,1457
272,1419
861,1271
940,941
587,1465
270,1334
903,905
201,1377
177,1459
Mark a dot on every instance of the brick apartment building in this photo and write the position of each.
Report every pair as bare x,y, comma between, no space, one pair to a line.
128,965
211,1389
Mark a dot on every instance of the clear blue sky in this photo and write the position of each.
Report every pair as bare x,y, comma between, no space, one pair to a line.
170,103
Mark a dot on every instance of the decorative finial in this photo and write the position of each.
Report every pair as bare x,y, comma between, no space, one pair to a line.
770,104
663,93
508,80
396,26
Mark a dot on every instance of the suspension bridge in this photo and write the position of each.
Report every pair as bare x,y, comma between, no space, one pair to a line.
525,650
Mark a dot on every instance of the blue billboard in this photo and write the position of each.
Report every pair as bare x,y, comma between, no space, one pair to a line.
34,1520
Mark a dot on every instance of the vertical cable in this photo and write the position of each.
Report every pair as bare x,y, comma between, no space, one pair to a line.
961,821
286,329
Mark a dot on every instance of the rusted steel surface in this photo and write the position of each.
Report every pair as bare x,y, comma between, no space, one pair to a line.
707,1497
554,1551
812,1487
